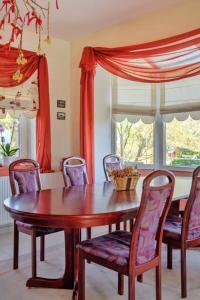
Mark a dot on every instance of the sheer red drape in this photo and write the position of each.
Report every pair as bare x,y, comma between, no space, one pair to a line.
164,60
8,67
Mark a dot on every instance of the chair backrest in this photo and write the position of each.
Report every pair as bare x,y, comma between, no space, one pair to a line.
111,162
191,217
24,172
74,171
148,228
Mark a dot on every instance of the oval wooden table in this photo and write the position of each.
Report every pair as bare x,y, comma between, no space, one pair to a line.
74,208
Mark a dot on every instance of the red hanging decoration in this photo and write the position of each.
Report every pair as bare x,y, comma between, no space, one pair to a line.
18,18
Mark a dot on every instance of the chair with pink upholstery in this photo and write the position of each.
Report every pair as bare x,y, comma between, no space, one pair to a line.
24,177
111,162
75,174
74,171
134,253
184,233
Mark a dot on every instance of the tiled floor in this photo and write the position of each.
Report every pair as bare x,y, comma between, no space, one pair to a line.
100,283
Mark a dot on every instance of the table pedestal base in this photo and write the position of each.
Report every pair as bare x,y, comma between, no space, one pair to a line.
67,281
58,283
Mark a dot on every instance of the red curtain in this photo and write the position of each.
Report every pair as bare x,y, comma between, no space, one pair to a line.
164,60
8,67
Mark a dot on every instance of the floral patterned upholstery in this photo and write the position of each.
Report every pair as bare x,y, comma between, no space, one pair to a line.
113,247
36,228
172,228
26,181
173,225
149,224
113,165
76,175
194,220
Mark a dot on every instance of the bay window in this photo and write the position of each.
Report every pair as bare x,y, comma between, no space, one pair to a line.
157,125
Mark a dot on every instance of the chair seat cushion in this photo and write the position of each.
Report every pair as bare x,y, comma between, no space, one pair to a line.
36,228
113,247
172,228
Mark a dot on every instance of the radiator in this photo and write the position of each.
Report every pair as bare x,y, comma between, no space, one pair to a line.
4,193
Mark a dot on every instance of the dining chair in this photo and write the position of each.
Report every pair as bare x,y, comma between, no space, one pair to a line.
133,253
111,162
184,232
75,174
24,177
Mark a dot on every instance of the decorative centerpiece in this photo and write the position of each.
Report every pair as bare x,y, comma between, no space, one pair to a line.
125,179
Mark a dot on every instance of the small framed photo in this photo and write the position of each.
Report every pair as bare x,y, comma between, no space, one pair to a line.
60,115
61,103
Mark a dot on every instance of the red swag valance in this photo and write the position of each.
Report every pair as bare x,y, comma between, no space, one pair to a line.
164,60
8,67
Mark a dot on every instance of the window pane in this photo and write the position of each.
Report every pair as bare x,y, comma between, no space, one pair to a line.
183,143
134,142
6,133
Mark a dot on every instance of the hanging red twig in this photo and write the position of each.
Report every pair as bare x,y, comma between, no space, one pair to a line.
33,15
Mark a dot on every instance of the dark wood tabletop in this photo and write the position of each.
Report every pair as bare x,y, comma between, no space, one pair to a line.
77,207
82,206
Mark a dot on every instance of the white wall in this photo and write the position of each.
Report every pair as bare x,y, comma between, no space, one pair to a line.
52,180
102,116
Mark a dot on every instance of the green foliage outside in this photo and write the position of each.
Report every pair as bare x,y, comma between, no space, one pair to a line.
134,142
183,142
185,162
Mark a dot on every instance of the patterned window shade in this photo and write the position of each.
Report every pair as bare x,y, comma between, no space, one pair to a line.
133,100
180,99
22,99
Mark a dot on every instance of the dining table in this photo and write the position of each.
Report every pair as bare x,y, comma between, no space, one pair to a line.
76,207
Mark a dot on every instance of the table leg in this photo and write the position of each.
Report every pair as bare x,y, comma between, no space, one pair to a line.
67,281
77,240
174,208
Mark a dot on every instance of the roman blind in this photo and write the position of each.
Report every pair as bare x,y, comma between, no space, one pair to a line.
180,98
133,100
21,99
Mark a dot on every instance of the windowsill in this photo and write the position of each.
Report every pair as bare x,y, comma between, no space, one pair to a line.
145,172
4,171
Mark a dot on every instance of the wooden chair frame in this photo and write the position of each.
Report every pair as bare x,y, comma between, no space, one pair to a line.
82,163
133,270
107,157
183,244
105,160
17,228
65,164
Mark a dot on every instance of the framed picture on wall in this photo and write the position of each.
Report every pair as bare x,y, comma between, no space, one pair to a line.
61,103
60,115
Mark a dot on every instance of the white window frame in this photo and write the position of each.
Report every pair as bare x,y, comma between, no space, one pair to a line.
27,138
159,141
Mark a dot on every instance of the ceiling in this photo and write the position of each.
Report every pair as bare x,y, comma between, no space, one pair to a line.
79,17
